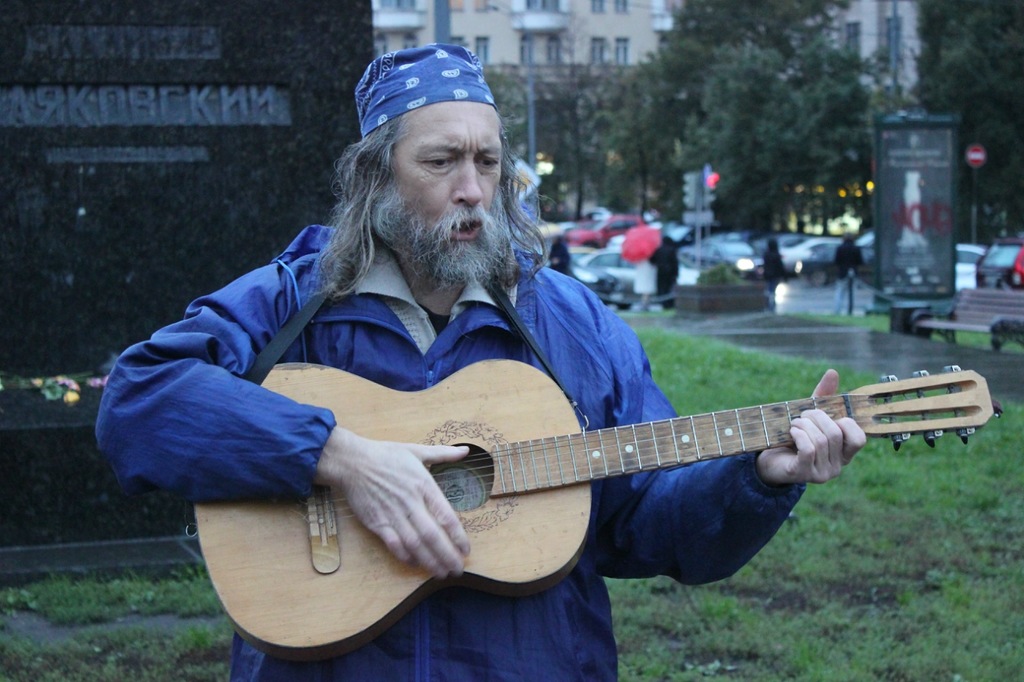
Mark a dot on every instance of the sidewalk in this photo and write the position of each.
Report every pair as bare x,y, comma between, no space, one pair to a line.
851,347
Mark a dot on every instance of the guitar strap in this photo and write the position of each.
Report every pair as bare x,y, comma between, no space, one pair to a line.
502,299
273,351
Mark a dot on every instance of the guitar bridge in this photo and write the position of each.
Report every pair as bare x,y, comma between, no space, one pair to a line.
323,531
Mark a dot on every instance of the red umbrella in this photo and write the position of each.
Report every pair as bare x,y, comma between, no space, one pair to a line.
640,243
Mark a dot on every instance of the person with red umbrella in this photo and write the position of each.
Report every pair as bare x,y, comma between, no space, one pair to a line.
638,246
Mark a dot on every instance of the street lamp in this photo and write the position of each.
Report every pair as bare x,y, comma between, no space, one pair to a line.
531,123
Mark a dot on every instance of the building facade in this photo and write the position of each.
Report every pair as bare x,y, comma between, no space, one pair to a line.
622,32
511,32
884,31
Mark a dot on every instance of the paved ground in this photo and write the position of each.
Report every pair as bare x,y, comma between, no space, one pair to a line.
853,347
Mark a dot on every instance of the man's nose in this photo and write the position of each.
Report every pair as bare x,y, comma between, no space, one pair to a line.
469,186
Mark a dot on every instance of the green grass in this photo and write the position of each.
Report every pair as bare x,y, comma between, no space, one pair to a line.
96,651
880,323
140,654
64,600
908,567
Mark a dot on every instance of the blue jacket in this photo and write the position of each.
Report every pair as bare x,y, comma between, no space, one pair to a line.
696,524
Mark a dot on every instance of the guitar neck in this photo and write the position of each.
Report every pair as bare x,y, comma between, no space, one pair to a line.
567,460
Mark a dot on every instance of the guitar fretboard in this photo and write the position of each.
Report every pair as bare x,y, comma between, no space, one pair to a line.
566,460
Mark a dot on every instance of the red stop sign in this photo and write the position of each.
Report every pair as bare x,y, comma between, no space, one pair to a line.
975,156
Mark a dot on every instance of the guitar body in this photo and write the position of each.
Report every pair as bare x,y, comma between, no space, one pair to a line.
259,553
305,580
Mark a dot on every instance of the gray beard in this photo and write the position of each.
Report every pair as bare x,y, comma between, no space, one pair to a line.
428,253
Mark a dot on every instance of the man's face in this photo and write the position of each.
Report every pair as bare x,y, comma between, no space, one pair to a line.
447,166
449,158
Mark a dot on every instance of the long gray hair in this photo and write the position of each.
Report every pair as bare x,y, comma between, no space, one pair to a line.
365,186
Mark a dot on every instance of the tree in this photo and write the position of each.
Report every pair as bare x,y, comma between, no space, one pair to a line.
758,90
570,98
970,66
630,133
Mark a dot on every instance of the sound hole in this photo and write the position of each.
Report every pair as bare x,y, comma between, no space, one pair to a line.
466,484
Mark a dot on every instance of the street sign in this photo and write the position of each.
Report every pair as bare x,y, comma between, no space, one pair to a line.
703,218
975,156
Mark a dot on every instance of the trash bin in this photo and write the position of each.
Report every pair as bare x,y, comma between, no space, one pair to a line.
901,313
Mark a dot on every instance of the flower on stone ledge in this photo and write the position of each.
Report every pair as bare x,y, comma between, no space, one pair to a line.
61,387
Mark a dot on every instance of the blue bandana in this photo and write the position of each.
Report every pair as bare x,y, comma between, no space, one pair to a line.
409,79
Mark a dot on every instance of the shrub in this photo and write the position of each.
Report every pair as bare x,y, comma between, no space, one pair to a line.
722,273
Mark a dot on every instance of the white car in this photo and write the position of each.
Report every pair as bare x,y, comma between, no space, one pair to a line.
609,261
802,251
967,256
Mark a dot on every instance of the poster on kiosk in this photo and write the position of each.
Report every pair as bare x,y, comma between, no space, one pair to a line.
915,176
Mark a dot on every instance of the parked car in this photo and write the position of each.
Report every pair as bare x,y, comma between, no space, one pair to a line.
967,256
866,242
818,267
600,282
785,240
802,250
609,262
1002,266
681,234
602,231
738,254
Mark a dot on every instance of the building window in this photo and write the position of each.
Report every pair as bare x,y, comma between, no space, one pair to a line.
398,4
456,6
458,40
554,50
380,44
409,40
483,50
598,51
622,6
622,51
893,26
597,6
542,5
526,55
853,36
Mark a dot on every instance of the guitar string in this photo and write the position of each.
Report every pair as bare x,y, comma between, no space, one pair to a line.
545,451
547,454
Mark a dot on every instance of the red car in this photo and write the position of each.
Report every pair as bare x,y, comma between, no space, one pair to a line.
598,234
1002,266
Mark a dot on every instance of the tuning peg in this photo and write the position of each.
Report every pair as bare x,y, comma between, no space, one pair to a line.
964,433
899,439
930,436
952,368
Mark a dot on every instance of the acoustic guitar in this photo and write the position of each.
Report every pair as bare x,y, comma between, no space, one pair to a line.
304,580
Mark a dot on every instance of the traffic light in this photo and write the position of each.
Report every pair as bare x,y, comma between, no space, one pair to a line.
691,190
710,183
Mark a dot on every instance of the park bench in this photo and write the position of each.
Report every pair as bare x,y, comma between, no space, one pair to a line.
999,312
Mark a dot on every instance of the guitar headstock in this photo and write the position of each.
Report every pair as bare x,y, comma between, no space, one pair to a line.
954,400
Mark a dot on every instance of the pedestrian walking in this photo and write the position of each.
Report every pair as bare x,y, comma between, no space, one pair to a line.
774,271
848,258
